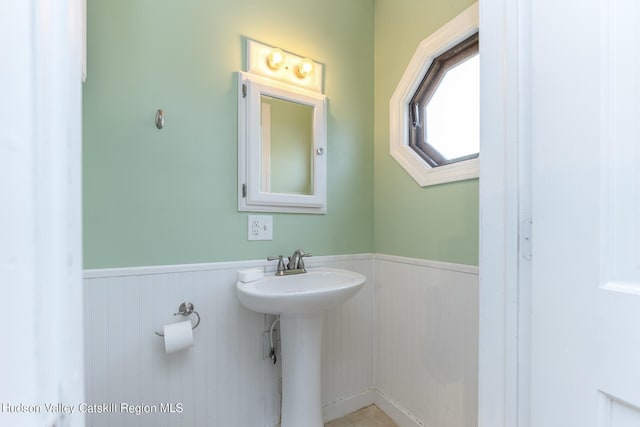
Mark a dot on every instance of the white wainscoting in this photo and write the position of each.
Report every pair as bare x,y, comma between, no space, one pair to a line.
222,380
417,319
426,342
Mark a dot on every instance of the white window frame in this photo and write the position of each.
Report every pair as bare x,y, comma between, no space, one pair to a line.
455,31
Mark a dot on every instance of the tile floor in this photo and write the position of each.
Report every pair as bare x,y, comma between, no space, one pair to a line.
370,416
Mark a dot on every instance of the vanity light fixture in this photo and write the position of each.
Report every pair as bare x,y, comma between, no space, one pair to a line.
284,66
275,59
304,68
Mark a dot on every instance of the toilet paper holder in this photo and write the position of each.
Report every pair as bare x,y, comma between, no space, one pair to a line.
185,309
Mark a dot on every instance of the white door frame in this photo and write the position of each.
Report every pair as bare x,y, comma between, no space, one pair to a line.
40,220
505,209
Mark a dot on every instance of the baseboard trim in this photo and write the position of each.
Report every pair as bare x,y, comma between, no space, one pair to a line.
342,407
399,415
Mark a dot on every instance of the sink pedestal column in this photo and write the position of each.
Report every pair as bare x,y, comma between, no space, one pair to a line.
301,343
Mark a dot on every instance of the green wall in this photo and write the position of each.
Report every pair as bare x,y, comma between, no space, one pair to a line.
438,222
156,197
168,196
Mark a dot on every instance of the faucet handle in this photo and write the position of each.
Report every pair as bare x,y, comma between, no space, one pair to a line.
299,253
280,268
301,261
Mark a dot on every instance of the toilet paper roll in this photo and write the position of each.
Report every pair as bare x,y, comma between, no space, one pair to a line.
178,336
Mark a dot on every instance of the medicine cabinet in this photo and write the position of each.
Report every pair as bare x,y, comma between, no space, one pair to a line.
282,147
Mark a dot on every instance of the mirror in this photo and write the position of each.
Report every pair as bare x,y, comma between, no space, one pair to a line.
287,146
281,147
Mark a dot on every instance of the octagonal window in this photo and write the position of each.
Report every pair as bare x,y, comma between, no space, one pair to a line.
434,111
444,125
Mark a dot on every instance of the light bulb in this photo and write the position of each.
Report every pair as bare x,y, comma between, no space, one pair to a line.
275,59
305,68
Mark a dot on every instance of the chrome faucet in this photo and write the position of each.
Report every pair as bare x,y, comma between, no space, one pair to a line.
294,266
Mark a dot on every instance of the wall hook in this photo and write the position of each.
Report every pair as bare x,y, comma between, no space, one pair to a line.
160,119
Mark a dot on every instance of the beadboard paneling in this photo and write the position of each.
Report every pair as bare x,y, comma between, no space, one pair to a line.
426,342
347,351
424,327
222,380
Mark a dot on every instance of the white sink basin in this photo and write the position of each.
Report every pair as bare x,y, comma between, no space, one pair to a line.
300,294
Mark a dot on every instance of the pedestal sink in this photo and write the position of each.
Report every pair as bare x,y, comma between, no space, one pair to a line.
300,301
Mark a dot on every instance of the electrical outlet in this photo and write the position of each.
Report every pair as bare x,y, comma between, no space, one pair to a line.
260,227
